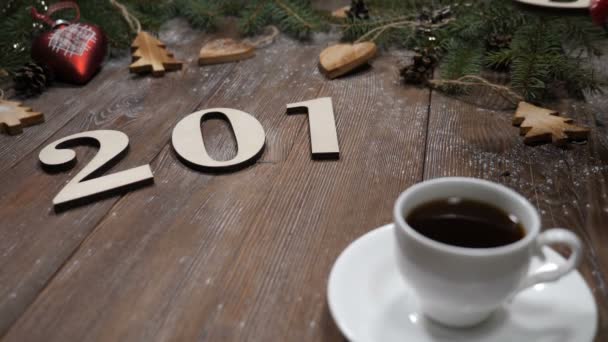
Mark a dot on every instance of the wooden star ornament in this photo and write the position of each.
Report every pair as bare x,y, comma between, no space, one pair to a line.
13,117
151,56
539,125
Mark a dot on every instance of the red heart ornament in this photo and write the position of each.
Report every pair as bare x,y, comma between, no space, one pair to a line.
599,11
73,51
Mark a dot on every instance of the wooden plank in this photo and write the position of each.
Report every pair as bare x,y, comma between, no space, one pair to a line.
246,255
35,242
317,209
312,212
189,219
60,105
219,257
567,186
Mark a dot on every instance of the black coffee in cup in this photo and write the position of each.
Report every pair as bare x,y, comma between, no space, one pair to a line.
465,223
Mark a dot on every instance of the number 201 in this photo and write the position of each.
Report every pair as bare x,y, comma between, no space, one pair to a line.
187,140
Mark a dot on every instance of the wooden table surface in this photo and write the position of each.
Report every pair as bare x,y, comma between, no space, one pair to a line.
246,255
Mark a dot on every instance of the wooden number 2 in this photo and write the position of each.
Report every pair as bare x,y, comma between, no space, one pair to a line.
188,141
323,133
88,184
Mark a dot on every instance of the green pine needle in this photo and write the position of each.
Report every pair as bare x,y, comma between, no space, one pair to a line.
254,18
545,50
202,15
295,17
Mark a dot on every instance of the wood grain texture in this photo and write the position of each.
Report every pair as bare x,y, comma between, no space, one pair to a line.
189,238
246,255
34,247
465,140
235,89
61,104
151,56
311,216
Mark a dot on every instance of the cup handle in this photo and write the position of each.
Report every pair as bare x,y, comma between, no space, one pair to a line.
555,236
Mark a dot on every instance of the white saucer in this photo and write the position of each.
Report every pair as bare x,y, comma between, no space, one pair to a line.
370,302
580,4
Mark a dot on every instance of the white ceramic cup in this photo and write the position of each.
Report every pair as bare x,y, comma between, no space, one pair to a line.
459,286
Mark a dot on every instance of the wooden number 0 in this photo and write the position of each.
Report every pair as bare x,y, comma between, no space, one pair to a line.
188,141
88,184
323,134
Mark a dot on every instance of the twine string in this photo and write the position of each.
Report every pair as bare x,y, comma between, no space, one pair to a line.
472,80
131,20
266,39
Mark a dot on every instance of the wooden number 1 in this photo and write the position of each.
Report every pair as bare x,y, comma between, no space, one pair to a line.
189,144
323,133
88,184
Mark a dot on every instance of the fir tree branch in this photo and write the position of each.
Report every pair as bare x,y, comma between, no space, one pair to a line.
545,50
533,47
294,17
357,28
376,32
202,15
499,59
253,19
294,14
462,58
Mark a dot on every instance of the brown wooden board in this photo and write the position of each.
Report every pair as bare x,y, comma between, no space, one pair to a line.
60,104
35,241
246,255
182,195
208,224
567,186
311,216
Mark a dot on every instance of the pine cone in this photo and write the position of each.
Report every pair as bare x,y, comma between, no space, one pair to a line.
441,14
411,75
358,10
436,16
31,79
422,67
425,14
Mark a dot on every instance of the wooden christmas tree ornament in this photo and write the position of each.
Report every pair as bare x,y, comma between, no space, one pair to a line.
13,117
543,125
150,55
225,51
340,59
